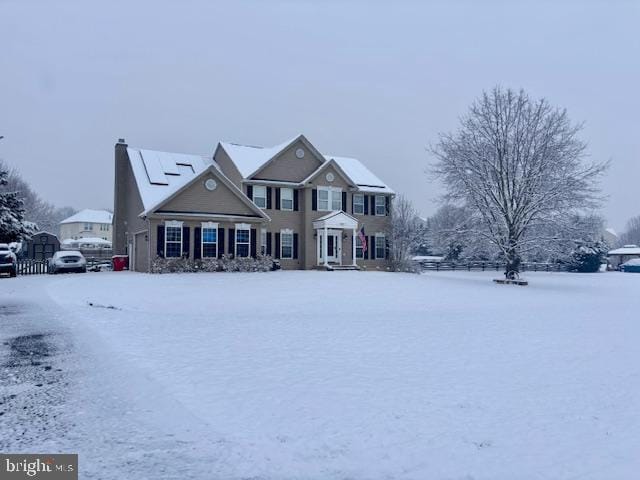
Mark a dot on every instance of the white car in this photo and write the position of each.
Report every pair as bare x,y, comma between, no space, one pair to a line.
8,260
67,261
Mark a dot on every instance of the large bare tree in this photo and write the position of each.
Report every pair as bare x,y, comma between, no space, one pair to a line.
406,232
631,236
517,164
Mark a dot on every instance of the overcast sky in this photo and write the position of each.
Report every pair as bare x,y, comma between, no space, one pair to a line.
373,80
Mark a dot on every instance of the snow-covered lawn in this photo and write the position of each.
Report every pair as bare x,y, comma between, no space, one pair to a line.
316,375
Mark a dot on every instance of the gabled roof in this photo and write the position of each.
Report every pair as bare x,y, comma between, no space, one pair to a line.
90,216
213,169
325,165
335,219
160,174
361,175
249,160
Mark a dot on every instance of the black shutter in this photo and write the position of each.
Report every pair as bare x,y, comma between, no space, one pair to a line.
185,241
314,199
296,205
344,202
353,196
277,198
253,242
386,205
373,247
269,206
250,191
197,243
373,204
232,241
365,199
386,248
295,245
160,245
277,252
268,243
220,242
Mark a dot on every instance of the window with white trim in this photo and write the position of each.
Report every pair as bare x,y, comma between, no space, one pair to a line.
243,239
359,252
286,199
209,240
88,226
286,244
329,199
172,239
358,203
263,241
260,196
381,246
381,205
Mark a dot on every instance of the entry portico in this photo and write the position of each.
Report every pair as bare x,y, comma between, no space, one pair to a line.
329,232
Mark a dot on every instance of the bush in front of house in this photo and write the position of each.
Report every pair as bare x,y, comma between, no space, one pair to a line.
262,263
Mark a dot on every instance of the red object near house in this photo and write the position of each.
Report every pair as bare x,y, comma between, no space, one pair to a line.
120,262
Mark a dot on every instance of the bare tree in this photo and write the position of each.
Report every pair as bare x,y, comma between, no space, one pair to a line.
406,232
631,236
36,210
516,163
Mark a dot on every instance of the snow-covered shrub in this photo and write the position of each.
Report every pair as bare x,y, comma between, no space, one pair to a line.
225,264
587,258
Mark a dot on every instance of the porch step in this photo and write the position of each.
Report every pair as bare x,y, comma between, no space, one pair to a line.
343,267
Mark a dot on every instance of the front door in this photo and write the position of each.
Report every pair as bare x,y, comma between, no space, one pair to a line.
334,247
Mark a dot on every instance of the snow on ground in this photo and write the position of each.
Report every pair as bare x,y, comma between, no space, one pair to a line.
316,375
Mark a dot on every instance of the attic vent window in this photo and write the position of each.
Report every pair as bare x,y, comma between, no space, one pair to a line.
330,177
300,153
210,184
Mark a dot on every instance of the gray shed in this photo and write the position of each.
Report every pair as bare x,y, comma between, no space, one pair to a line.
42,245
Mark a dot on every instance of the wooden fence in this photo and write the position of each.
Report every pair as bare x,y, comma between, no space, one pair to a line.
39,267
493,266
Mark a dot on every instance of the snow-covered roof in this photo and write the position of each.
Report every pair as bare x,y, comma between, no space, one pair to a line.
94,240
90,216
626,250
611,231
160,174
632,263
249,159
361,175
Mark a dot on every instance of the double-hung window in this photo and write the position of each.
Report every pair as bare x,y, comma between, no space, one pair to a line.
260,196
381,205
359,251
263,241
286,199
209,240
329,199
286,244
243,238
358,203
88,226
381,246
172,239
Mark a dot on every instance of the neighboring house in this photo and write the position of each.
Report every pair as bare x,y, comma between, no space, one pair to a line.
41,245
620,255
289,201
87,224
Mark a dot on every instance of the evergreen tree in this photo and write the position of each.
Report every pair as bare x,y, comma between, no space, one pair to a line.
12,227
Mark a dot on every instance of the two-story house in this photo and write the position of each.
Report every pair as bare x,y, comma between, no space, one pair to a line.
304,208
87,224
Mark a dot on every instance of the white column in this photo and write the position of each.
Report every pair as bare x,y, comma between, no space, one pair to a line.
353,246
325,246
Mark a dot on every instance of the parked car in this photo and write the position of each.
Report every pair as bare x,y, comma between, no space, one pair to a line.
8,260
67,261
632,265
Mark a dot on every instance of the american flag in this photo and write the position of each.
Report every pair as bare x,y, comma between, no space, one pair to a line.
363,239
